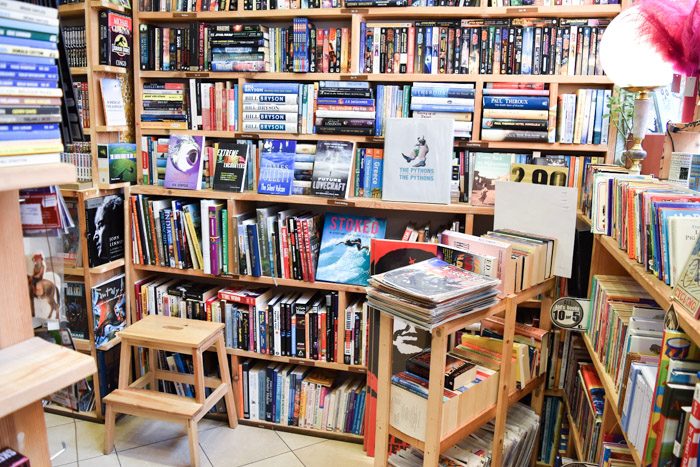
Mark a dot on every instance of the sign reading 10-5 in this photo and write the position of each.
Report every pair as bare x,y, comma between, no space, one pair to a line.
570,313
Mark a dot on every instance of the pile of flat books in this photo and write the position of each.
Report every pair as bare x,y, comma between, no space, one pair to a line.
431,293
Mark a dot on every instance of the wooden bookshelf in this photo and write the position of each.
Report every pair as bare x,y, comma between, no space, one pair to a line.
299,361
17,178
347,437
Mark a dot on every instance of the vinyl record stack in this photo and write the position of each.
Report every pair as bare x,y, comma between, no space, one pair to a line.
431,293
30,99
345,108
445,100
515,112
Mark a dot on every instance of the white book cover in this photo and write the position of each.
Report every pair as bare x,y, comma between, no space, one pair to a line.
683,233
418,160
113,102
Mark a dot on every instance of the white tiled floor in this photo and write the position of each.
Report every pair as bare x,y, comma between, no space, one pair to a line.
143,442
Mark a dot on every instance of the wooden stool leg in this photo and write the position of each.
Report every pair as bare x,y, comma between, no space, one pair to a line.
109,429
193,437
198,368
124,365
226,379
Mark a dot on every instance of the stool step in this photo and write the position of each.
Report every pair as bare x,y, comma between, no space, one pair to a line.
154,401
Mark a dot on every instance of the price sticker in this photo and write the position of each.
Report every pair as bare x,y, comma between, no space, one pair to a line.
571,313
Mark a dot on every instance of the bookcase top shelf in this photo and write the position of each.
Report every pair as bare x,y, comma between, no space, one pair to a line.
364,203
392,13
17,178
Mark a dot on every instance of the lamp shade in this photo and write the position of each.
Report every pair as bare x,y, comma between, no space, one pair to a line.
628,56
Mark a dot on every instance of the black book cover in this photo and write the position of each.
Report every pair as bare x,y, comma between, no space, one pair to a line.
231,161
115,39
105,229
269,393
76,309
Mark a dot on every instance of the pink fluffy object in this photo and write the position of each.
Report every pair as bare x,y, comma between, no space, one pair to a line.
674,28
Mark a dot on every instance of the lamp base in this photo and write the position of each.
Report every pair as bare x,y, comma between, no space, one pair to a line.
634,158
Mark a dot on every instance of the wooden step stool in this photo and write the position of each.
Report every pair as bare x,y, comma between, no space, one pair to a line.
173,335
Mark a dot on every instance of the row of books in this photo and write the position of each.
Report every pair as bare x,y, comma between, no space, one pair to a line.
80,155
586,402
188,5
368,172
527,46
658,229
195,105
553,431
278,107
74,44
445,100
583,117
28,53
82,101
296,395
304,47
501,3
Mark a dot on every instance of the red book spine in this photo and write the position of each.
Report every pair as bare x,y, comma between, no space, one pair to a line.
411,41
285,252
231,296
135,231
690,450
307,249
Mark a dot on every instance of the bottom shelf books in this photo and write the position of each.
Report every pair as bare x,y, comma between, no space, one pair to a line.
305,397
586,401
519,440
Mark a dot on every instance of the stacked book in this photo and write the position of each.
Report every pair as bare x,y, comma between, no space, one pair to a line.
445,100
239,47
79,154
346,108
277,107
82,101
515,112
431,293
330,402
392,102
213,105
30,98
583,117
164,106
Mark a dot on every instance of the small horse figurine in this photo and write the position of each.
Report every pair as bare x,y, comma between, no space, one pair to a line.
419,153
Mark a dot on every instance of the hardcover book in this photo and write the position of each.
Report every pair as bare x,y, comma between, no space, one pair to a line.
331,170
277,167
108,309
184,165
230,171
113,102
116,163
687,290
105,229
344,256
418,160
76,309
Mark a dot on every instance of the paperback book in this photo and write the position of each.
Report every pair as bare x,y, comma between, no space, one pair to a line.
185,162
230,170
277,167
105,229
331,171
113,102
108,309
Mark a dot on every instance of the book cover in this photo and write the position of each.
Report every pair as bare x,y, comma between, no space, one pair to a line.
108,309
417,160
331,169
488,167
184,165
115,39
76,309
344,256
277,167
230,171
113,102
105,229
116,163
386,255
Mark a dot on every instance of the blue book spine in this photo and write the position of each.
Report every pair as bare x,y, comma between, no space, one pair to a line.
363,45
515,102
11,65
442,107
181,368
20,41
352,101
344,84
261,394
428,58
29,135
23,83
528,40
262,326
293,336
290,399
30,75
26,26
421,91
277,88
281,127
380,110
252,230
30,127
598,122
27,59
367,181
278,397
360,185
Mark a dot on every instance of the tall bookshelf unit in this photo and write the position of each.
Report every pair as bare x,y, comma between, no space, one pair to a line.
397,211
87,13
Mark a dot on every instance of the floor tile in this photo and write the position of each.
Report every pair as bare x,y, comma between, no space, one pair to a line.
62,433
56,420
335,453
297,441
172,452
227,447
90,438
288,459
132,432
110,460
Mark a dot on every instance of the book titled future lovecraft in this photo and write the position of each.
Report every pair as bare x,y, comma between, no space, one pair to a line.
418,160
108,309
105,229
332,169
113,102
277,167
231,162
344,256
183,169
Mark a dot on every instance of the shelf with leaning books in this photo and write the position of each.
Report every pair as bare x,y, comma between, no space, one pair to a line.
574,435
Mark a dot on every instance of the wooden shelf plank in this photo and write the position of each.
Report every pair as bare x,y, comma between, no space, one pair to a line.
107,5
583,218
298,361
574,434
348,437
112,265
659,291
111,129
35,368
690,325
82,345
110,69
35,176
79,70
71,10
364,203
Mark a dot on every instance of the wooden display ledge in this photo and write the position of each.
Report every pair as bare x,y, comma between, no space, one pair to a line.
35,176
298,361
35,368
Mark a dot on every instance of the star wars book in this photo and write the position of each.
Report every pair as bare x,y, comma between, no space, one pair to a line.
184,165
108,309
105,229
418,160
344,256
332,169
